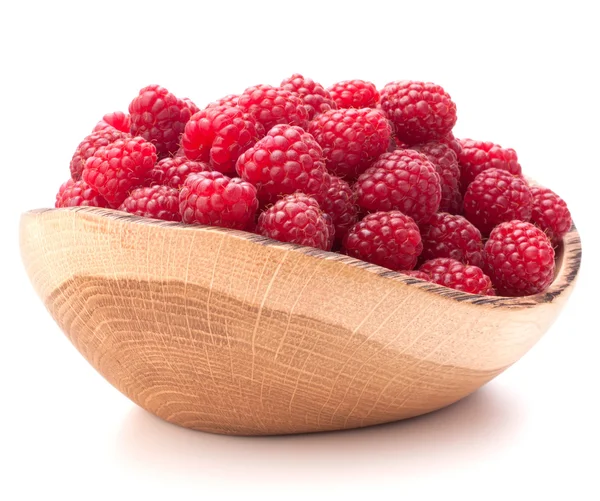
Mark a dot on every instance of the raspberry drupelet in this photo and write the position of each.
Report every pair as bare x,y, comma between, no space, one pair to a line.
214,199
314,96
297,218
157,202
354,94
78,193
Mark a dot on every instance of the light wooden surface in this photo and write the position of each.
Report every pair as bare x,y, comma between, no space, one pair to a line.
229,332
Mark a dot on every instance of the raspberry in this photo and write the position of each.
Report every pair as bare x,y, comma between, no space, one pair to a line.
115,169
271,106
117,119
330,230
456,204
173,171
445,163
191,105
456,275
160,117
215,199
351,139
339,204
157,202
417,274
445,235
218,135
453,143
402,180
550,213
478,156
420,111
496,196
314,96
389,239
354,94
286,160
297,219
229,100
519,258
88,147
77,193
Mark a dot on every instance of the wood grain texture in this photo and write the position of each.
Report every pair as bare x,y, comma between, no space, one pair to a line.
233,333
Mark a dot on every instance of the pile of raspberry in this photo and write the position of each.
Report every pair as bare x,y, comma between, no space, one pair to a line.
374,174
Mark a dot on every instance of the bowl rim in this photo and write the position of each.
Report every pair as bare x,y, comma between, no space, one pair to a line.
569,258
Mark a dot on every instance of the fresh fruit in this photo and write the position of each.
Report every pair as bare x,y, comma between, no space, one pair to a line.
496,196
297,219
215,199
314,96
351,139
550,213
354,94
340,204
157,202
403,180
389,239
417,274
420,111
173,171
78,193
519,258
117,119
456,275
88,147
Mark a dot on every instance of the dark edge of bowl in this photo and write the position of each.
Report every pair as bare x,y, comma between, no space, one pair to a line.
571,260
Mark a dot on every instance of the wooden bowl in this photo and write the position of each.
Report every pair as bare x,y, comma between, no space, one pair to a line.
229,332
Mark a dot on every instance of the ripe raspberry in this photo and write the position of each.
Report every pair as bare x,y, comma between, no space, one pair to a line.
389,239
230,100
286,160
520,259
351,139
453,143
88,147
117,119
354,94
496,196
445,163
160,117
330,230
456,275
157,202
478,156
402,180
421,111
446,235
456,204
417,274
314,96
297,219
215,199
191,105
115,169
271,106
218,136
340,205
78,193
173,171
550,213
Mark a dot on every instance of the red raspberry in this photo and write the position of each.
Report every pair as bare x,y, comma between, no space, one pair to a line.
354,94
496,196
78,193
218,135
115,169
402,180
456,204
420,111
173,171
88,147
389,239
230,100
417,274
351,139
117,119
286,160
340,205
453,143
314,96
520,259
445,163
456,275
215,199
297,219
157,202
191,105
160,117
478,156
550,213
330,230
446,235
271,106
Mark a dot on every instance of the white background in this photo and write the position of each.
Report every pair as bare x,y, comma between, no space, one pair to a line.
523,75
